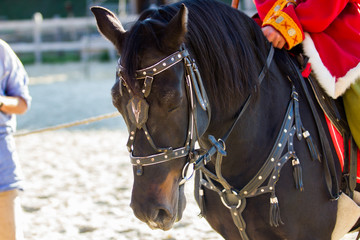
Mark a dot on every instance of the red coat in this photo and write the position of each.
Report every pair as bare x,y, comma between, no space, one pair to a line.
329,31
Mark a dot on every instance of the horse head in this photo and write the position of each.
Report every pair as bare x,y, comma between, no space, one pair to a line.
157,104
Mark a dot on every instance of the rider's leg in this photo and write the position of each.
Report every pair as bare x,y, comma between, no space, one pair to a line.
352,109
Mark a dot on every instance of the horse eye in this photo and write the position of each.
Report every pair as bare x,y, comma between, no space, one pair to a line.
172,109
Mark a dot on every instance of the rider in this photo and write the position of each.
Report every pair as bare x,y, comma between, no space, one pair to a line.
330,33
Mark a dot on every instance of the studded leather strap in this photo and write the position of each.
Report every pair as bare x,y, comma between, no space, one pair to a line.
162,65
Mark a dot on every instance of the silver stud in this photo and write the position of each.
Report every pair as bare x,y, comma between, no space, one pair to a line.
172,59
176,154
152,159
279,144
179,55
235,213
274,177
182,151
285,130
260,177
164,64
143,91
132,132
165,156
154,69
271,188
148,138
306,134
245,192
131,138
272,159
262,190
146,133
144,73
289,117
279,164
138,161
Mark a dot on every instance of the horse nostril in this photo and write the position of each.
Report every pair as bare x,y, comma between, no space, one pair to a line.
162,215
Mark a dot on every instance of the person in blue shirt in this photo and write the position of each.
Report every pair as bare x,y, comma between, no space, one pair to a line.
14,99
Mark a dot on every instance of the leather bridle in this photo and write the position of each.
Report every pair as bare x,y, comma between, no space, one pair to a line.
138,107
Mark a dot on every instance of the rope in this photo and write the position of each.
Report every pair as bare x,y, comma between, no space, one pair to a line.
67,125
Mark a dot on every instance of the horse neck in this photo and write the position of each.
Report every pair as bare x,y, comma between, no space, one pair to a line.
255,132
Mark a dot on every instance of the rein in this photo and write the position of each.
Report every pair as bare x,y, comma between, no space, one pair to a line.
235,200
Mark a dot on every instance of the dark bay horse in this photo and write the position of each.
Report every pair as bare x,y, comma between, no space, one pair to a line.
201,71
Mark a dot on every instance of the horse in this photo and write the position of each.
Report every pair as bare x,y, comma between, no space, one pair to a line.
201,89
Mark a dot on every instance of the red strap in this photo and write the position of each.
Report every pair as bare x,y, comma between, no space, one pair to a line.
307,70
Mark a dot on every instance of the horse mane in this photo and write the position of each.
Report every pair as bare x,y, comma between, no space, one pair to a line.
228,46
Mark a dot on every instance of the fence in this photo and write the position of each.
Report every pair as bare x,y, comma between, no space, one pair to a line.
82,31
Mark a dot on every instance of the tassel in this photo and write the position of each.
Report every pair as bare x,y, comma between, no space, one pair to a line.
201,203
297,172
315,155
275,218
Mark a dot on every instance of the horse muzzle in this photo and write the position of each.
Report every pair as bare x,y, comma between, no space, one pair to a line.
160,214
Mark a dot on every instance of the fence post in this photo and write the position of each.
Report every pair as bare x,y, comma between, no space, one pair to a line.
122,8
38,18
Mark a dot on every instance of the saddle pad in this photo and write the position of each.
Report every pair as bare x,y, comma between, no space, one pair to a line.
339,147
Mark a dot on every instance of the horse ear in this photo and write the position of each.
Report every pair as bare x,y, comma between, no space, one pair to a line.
176,29
109,26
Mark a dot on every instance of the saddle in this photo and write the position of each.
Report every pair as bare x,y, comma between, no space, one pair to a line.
296,64
336,119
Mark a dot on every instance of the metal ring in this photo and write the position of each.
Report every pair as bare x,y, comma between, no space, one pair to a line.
222,143
225,203
184,175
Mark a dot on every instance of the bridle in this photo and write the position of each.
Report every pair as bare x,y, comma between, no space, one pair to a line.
138,107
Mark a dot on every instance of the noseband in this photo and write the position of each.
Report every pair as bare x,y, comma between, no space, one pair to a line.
138,108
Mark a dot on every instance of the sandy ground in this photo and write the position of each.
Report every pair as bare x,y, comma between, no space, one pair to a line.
78,180
79,187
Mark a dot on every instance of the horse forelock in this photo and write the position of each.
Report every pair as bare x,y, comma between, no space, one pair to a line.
144,33
228,46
